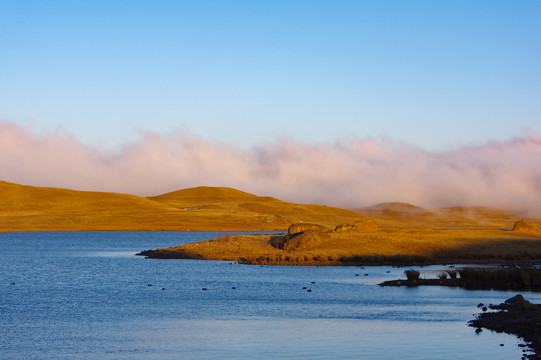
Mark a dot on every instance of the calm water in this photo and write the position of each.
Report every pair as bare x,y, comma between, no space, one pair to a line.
86,296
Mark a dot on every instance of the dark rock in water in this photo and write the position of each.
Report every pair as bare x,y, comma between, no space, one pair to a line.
516,316
517,303
515,299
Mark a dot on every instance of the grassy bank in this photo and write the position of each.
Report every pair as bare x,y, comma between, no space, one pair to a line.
402,247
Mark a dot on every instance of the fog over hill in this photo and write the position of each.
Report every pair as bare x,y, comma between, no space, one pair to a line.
350,173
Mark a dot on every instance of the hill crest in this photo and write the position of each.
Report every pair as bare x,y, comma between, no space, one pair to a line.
205,192
28,208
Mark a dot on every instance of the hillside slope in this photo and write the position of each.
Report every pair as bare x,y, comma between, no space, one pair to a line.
28,208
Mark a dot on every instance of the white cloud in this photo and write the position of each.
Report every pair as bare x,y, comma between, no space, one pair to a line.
352,173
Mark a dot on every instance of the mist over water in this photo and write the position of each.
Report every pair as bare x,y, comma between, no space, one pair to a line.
346,173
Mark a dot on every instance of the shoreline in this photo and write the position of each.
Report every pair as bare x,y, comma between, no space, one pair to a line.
364,243
518,277
516,316
36,230
375,260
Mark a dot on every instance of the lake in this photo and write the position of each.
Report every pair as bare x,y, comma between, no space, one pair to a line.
84,295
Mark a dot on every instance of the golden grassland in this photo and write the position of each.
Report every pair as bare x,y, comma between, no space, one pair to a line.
404,234
27,208
398,246
401,233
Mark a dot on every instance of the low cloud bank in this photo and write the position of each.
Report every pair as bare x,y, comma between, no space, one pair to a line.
349,173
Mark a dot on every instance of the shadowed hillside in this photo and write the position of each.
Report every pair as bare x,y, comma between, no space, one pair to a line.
28,208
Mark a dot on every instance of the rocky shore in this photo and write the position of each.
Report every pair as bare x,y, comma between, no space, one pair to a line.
515,316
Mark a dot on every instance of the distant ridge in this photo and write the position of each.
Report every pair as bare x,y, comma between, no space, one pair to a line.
396,208
390,213
208,192
29,208
203,195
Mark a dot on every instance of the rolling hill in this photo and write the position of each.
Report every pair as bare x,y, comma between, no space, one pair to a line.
28,208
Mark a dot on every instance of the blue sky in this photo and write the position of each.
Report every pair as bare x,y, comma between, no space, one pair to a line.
436,74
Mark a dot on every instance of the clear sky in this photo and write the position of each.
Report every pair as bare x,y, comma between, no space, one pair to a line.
347,103
435,74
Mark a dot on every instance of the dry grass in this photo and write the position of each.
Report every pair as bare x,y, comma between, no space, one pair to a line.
27,208
402,233
408,235
402,247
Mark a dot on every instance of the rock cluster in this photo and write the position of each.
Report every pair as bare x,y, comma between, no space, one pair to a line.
300,227
305,240
304,236
515,316
365,226
526,227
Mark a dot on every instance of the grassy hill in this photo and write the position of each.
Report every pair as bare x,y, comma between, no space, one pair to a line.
394,233
28,208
